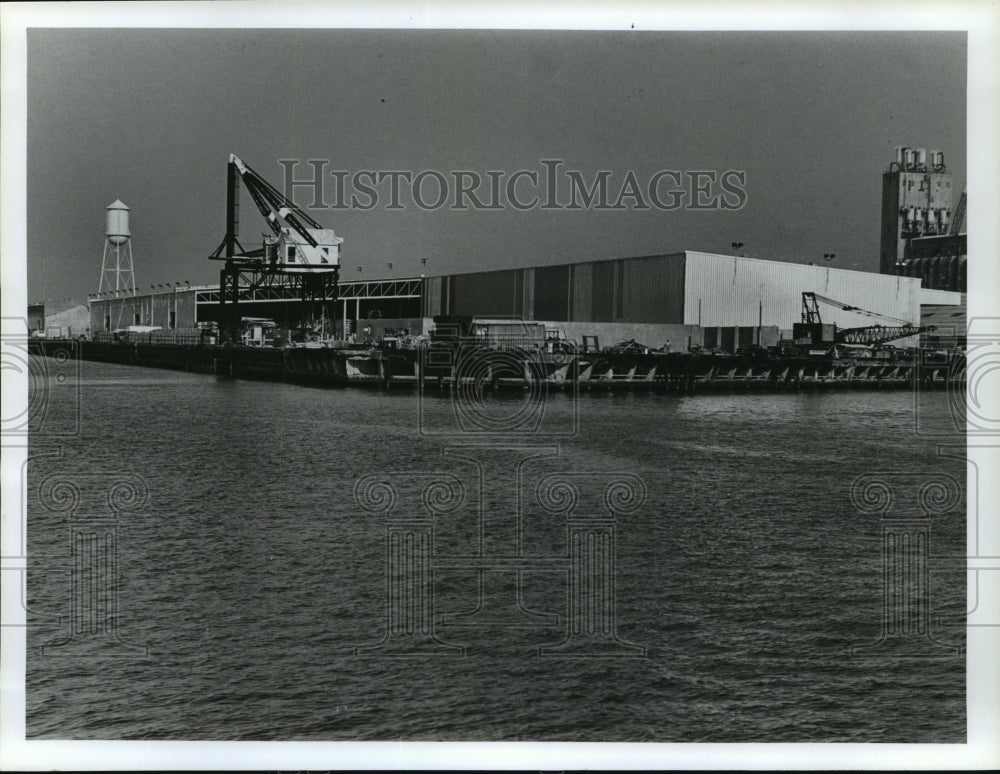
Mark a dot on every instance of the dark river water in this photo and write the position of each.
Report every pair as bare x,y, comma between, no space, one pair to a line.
236,580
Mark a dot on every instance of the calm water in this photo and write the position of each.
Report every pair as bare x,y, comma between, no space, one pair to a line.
251,574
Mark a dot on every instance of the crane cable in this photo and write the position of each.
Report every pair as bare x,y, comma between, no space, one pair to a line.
858,309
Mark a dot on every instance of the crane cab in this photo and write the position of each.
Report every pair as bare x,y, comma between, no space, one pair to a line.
290,252
814,333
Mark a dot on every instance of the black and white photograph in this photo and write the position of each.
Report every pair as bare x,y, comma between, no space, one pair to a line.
620,388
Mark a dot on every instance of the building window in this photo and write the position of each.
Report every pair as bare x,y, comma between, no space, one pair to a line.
136,319
173,319
291,254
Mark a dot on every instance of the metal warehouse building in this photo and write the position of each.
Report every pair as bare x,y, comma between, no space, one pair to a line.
687,297
184,306
688,288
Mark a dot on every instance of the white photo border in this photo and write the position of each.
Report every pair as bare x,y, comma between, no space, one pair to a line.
981,20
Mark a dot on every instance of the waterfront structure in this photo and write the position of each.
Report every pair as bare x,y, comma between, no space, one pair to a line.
921,232
729,297
182,305
947,318
298,254
687,297
941,261
676,299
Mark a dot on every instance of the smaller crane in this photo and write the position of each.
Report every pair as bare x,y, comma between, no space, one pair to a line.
812,326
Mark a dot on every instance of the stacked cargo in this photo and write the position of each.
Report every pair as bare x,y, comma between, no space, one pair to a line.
183,336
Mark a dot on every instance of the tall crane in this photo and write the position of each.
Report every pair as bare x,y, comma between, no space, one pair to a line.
299,255
812,326
959,220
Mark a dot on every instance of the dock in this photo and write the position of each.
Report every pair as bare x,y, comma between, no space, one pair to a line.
494,370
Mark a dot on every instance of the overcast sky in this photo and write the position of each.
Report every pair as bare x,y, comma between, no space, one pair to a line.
151,116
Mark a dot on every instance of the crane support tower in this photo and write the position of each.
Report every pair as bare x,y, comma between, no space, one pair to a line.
299,253
813,330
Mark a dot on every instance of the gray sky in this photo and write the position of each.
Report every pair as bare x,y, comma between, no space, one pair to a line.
151,116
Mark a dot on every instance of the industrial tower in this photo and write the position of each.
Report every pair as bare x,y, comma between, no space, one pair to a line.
117,272
916,202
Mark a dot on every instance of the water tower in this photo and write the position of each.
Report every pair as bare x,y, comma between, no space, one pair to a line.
117,273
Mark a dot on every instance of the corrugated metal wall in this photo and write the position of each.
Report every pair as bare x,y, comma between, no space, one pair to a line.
602,304
684,288
122,312
527,295
488,293
552,289
730,291
652,289
186,312
519,293
431,296
152,309
583,292
940,297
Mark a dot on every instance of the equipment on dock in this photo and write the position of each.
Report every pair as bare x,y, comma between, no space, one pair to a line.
258,332
488,332
814,332
299,252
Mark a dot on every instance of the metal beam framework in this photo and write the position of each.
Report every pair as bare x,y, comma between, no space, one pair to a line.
879,334
316,290
279,288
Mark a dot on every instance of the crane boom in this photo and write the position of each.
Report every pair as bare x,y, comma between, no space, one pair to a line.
812,326
280,213
810,309
273,205
878,334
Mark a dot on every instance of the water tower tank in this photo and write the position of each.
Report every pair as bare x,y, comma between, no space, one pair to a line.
117,230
